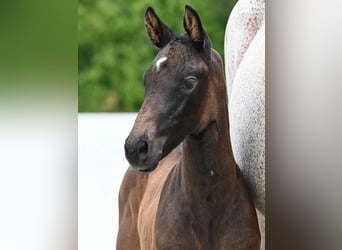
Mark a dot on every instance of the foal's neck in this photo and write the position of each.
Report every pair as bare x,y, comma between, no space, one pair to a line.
208,164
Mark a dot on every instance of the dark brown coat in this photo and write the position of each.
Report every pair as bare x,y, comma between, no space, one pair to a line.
192,196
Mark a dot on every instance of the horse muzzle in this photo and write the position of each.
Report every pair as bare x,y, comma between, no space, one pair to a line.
143,154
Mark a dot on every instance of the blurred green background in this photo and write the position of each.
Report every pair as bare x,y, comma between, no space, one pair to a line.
114,50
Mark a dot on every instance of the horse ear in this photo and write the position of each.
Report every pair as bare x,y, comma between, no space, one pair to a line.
159,33
192,25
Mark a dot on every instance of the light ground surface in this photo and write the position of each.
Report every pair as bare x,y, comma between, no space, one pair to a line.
101,167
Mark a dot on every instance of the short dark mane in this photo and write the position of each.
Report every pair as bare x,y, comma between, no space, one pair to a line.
185,40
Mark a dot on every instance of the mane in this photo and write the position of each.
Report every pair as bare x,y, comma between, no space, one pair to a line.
185,40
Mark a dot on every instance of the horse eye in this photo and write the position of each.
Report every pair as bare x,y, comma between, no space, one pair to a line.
190,83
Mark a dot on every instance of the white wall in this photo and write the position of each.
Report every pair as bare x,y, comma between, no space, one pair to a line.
101,167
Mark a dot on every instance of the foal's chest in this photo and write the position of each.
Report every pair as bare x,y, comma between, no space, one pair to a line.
180,228
181,225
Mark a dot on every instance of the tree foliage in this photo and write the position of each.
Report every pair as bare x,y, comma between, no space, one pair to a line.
114,50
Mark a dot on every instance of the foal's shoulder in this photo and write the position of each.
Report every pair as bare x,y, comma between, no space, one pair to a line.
133,184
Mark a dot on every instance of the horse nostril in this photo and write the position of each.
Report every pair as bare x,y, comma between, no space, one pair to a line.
142,149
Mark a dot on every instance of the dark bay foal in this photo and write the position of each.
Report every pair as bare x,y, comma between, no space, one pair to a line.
188,193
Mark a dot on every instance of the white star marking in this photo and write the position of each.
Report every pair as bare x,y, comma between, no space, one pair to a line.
159,62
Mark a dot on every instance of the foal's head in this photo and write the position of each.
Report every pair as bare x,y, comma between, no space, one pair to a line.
179,90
